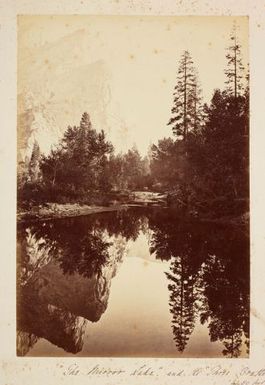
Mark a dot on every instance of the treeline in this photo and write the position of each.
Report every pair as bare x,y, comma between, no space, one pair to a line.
204,169
82,168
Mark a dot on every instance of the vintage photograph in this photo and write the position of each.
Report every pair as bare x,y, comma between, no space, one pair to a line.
133,186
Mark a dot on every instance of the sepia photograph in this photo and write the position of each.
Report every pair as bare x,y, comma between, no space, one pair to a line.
133,186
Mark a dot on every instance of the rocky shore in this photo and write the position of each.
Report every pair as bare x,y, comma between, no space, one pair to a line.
56,210
136,199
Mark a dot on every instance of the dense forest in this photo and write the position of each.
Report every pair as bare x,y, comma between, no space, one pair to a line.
203,169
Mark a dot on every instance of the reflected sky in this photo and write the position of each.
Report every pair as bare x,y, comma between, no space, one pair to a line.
135,283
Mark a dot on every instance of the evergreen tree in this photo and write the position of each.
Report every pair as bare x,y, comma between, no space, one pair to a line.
226,146
165,156
185,110
79,164
85,123
195,105
132,167
116,171
235,69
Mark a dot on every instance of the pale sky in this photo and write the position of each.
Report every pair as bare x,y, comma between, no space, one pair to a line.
120,69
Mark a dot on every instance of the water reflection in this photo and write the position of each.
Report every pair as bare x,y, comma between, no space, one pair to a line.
65,268
209,278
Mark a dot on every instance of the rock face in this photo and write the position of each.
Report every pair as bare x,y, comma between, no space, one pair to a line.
48,102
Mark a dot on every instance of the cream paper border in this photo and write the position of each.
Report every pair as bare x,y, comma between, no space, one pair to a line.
52,371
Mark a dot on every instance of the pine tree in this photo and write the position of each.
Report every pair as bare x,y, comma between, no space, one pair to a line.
195,104
85,123
79,164
187,99
235,69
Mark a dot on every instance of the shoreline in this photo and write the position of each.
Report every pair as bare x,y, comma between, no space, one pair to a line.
64,210
58,211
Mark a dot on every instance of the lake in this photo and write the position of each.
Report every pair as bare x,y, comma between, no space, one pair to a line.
141,282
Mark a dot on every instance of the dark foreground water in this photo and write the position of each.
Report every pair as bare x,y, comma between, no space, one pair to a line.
133,283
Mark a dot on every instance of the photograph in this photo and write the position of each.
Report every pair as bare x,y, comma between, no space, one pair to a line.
133,187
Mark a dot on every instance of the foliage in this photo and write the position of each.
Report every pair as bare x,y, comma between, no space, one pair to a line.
207,271
235,69
79,163
167,155
208,278
204,169
218,156
209,166
129,171
186,110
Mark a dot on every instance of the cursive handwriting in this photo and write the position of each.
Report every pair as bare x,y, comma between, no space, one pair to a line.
238,376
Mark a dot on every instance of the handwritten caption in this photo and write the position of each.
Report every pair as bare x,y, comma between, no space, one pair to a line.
241,376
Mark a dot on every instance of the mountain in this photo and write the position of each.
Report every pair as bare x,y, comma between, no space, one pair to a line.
57,82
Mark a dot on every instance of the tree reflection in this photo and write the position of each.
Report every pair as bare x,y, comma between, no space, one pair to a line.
226,305
182,301
81,245
208,279
208,276
127,223
86,256
64,271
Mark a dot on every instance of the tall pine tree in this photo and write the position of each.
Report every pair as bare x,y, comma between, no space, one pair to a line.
186,104
235,68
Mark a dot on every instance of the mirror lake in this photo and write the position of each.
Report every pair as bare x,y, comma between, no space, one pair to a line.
137,282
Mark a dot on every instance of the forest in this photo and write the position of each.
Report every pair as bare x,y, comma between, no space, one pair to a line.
203,168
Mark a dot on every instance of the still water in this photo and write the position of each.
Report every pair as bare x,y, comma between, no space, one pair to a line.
140,282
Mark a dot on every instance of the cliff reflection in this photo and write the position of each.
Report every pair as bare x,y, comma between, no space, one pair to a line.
64,276
65,268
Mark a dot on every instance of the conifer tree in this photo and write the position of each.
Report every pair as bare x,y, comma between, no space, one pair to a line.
185,110
79,164
85,123
235,69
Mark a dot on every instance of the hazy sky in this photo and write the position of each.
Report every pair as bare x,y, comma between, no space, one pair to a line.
140,58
